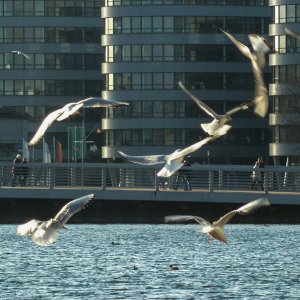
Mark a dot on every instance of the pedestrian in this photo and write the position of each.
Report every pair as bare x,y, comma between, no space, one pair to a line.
183,175
16,170
257,176
24,171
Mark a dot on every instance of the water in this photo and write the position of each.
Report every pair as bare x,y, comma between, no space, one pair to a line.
261,262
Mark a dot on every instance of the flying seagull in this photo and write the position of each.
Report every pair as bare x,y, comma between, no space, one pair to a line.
20,53
218,126
258,61
292,33
216,229
44,233
173,161
68,110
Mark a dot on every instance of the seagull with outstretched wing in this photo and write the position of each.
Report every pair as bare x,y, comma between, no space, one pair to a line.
44,233
173,161
218,126
258,61
68,110
292,33
215,230
20,53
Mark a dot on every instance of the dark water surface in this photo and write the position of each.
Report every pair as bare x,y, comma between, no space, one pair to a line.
261,262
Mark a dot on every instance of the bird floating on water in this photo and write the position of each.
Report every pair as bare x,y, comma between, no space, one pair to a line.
215,230
173,161
44,233
68,110
218,126
258,61
20,53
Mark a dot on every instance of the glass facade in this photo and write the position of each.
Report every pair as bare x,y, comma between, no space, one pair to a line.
148,53
285,88
62,41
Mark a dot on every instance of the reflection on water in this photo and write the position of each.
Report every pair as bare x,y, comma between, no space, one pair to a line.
261,262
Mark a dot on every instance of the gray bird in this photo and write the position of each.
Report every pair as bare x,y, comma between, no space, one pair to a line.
20,53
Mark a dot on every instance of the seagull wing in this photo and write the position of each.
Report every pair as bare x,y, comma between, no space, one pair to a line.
69,109
145,160
45,125
184,218
292,33
70,209
259,44
201,104
245,209
100,102
190,149
242,106
170,168
28,228
243,48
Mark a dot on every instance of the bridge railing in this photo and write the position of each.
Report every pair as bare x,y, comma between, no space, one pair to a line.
133,176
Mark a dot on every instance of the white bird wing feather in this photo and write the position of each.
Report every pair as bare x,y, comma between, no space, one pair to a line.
72,208
245,209
258,44
100,102
68,110
192,148
201,104
28,228
242,106
292,33
170,168
145,160
184,218
48,121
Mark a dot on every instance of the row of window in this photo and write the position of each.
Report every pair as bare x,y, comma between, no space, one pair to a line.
286,74
286,13
201,81
179,137
187,2
50,87
287,103
286,44
181,24
51,8
50,35
48,61
286,134
179,52
38,113
171,109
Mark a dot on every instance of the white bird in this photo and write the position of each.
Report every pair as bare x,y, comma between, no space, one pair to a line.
173,161
292,33
216,229
218,125
258,61
44,233
19,52
68,110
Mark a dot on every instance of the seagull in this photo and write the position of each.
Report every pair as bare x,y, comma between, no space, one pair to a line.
44,233
258,61
292,33
68,110
216,229
20,52
218,126
173,161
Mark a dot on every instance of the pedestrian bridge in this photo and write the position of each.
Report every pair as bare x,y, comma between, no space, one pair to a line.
125,181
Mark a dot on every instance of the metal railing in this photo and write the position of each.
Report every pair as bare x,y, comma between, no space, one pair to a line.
133,176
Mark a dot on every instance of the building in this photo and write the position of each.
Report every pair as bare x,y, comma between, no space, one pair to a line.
285,90
150,45
62,40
